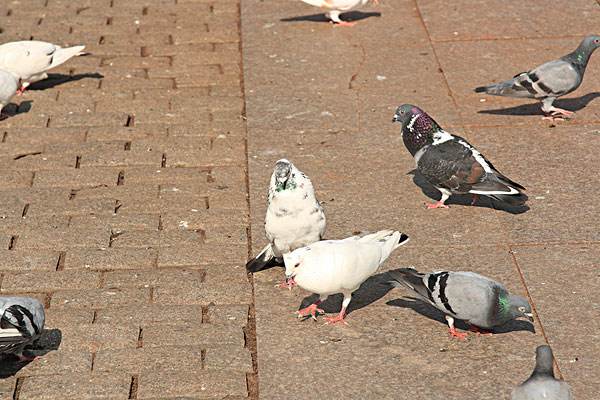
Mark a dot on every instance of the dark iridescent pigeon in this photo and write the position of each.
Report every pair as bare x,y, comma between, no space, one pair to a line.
550,80
450,163
473,298
542,385
21,323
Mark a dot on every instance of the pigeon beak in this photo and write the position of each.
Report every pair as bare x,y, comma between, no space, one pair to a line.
529,317
396,118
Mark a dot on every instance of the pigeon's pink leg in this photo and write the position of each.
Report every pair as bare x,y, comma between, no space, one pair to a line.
21,90
338,318
437,204
459,335
557,113
288,283
480,331
311,310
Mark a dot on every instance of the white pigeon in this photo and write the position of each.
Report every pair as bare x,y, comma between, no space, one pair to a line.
336,7
30,59
21,323
339,266
294,216
9,84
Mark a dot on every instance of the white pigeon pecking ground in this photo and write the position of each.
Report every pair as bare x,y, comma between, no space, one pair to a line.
29,60
339,266
550,80
294,217
9,84
336,7
21,323
473,298
542,384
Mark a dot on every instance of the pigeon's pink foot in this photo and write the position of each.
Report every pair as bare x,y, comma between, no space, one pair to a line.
311,310
437,204
344,23
480,331
21,90
338,318
459,335
558,114
287,284
475,198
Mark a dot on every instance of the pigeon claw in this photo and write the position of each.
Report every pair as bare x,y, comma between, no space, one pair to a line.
437,204
311,311
337,319
287,284
459,335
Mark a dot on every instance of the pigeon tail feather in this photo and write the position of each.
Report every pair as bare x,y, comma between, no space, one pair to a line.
411,279
61,55
264,260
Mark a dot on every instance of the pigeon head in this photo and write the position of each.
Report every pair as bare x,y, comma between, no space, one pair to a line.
515,306
293,261
544,361
580,57
418,128
590,43
283,176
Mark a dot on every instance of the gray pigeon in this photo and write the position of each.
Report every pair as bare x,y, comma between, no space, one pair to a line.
473,298
452,164
21,323
542,385
294,217
550,80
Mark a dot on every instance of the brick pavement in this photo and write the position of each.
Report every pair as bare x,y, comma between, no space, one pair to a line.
124,202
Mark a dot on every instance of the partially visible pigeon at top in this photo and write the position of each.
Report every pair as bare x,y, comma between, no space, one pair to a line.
31,59
550,80
21,323
294,216
542,385
450,163
339,266
336,7
479,301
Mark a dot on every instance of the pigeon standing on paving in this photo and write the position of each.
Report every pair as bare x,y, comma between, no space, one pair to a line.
334,266
550,80
294,216
21,323
542,385
473,298
336,7
9,84
450,163
30,59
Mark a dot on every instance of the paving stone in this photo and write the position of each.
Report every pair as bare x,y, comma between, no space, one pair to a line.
117,222
85,386
234,358
233,314
213,384
202,255
99,298
76,178
97,336
153,239
59,362
110,259
200,293
149,314
57,317
50,280
192,333
166,359
7,388
28,260
63,239
146,278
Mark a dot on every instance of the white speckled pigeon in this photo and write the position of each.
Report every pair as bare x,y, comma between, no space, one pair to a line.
542,385
31,59
21,323
336,7
450,163
339,266
550,80
294,216
9,84
479,301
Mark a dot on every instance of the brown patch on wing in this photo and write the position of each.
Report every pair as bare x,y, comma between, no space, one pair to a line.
475,174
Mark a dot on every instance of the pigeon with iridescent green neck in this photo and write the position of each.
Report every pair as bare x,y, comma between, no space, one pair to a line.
473,298
294,216
542,385
550,80
452,164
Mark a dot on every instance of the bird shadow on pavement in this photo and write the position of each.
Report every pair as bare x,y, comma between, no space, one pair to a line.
464,200
433,313
58,79
573,104
349,16
370,291
49,340
13,109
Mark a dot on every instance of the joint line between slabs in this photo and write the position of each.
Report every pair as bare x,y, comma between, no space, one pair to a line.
523,282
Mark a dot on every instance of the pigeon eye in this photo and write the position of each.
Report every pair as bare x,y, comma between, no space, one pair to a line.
522,309
296,266
596,40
